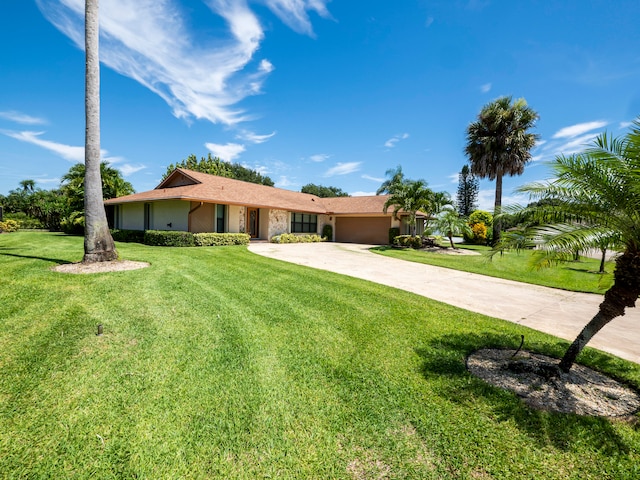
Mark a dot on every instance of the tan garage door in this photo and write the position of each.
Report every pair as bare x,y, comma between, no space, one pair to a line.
374,230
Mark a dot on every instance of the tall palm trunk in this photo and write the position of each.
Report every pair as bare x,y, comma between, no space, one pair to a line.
497,207
98,243
623,294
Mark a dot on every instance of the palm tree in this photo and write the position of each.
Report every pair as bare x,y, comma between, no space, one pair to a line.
395,177
595,201
498,144
28,185
452,224
410,197
98,243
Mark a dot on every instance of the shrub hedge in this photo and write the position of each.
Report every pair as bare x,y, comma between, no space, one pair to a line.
327,232
9,226
293,238
219,239
408,241
165,238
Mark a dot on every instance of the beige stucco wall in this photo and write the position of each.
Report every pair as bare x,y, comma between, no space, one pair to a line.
131,216
174,212
235,219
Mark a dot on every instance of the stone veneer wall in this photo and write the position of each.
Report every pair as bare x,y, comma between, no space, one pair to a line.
324,220
241,220
278,222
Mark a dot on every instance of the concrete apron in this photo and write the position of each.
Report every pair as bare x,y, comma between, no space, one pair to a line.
548,310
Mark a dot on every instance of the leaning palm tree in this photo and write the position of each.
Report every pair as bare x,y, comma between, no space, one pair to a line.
596,202
410,197
98,243
499,144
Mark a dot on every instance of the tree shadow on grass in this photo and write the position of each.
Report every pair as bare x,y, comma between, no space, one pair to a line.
445,356
59,261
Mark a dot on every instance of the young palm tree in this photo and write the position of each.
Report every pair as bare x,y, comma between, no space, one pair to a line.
410,197
395,179
98,243
499,144
452,224
596,201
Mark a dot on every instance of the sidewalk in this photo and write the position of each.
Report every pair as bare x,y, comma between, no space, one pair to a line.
548,310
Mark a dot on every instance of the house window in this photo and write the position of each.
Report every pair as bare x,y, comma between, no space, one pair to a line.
304,223
221,218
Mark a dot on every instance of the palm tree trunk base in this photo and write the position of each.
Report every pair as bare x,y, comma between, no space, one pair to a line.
106,256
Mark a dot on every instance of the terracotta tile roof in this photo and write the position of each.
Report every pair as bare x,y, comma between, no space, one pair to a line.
202,187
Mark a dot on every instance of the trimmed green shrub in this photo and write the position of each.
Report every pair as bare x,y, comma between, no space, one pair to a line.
481,216
393,233
130,236
293,238
220,239
327,232
9,226
166,238
408,241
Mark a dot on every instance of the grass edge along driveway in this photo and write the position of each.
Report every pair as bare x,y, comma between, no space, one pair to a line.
217,363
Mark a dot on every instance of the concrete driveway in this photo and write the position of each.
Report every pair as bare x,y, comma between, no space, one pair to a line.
549,310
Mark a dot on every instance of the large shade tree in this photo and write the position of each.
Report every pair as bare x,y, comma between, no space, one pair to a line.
98,243
593,201
499,143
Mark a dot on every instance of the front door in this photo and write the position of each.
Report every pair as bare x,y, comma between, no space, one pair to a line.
252,222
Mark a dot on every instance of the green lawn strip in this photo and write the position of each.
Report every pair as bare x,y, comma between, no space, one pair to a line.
578,276
222,364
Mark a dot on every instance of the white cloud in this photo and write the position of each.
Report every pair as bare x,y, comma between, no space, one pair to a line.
578,129
284,182
294,13
429,22
198,76
22,118
319,157
227,152
343,169
395,139
252,137
625,124
68,152
486,199
486,88
373,179
362,194
128,169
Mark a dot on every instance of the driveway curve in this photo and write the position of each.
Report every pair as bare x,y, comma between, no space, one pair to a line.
548,310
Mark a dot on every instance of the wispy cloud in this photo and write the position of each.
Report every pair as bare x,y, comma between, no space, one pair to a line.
284,182
199,76
68,152
429,22
395,139
319,157
579,129
373,179
19,117
252,137
343,169
625,124
486,88
227,152
71,153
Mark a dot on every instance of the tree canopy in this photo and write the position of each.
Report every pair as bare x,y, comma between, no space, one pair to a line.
499,143
467,195
214,166
594,199
323,192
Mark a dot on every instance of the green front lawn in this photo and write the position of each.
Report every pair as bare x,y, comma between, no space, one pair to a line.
580,276
218,363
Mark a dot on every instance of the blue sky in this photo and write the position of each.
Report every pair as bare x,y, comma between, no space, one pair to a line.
310,91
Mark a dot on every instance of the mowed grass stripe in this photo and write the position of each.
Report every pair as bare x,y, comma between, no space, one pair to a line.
217,363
